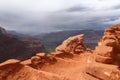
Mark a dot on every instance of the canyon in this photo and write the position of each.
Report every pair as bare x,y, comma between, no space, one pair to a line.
71,60
12,46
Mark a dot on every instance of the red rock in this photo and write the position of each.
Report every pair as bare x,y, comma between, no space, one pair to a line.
105,51
109,45
103,73
62,54
36,60
101,59
72,45
10,62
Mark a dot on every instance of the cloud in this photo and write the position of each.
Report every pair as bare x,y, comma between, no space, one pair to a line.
38,16
78,9
113,21
116,7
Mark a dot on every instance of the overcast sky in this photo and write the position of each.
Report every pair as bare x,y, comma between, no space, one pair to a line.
39,16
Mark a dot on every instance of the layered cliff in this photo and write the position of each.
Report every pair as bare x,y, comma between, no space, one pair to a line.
71,61
12,46
108,49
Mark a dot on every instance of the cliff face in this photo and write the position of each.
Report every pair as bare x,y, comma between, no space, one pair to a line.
108,49
70,61
13,47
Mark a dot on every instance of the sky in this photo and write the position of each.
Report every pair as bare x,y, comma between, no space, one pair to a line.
41,16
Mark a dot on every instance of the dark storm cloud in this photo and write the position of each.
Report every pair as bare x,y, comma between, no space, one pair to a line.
77,8
86,20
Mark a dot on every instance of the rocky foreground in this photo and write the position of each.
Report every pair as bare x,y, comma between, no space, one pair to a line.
71,61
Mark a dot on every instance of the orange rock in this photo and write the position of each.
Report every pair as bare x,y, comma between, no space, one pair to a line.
101,59
109,45
9,62
36,60
72,45
103,73
62,54
105,51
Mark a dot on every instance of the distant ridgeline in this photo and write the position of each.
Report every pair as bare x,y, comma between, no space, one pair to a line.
52,40
12,46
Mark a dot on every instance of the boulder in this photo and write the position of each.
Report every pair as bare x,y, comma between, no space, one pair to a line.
40,59
35,60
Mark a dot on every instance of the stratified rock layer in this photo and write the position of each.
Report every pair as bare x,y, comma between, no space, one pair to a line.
108,48
12,46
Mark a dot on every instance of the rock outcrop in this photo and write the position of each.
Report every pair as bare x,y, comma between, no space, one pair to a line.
72,45
69,47
41,59
107,52
14,70
70,61
108,49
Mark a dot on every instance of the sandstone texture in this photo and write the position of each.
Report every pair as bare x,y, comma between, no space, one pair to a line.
109,46
72,45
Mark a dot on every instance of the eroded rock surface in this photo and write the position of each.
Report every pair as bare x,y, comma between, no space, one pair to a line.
41,59
72,45
103,71
109,45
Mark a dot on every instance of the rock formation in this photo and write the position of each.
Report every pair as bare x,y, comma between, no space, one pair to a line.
70,61
41,59
107,52
108,49
13,47
72,45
